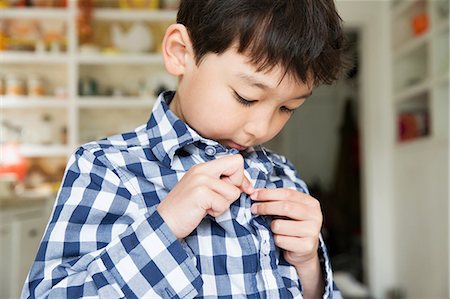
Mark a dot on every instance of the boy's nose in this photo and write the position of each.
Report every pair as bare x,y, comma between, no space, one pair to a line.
258,126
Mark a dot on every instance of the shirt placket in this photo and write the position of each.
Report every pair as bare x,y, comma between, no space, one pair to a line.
267,278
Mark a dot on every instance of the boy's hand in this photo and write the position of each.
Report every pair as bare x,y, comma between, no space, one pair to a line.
207,188
297,228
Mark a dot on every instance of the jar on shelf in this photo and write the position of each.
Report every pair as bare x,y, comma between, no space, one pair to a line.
2,85
45,130
14,85
35,86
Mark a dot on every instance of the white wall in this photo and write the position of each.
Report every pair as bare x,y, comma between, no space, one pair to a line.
406,194
421,219
376,117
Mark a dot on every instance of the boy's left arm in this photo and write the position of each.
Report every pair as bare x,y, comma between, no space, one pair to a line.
296,228
297,232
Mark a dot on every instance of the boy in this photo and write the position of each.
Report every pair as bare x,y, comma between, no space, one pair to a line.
190,205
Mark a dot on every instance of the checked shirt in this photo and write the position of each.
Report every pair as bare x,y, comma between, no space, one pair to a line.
106,239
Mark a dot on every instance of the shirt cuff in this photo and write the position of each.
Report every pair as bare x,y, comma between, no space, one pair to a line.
330,289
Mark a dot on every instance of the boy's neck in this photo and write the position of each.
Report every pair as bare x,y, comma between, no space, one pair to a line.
174,106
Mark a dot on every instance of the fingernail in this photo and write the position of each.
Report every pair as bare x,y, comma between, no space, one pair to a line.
254,195
253,209
250,189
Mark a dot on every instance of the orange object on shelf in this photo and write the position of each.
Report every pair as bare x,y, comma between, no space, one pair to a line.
11,161
420,23
139,4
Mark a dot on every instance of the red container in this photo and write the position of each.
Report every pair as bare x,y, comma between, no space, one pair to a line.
420,23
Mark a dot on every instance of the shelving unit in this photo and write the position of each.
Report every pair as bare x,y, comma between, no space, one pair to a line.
420,70
84,118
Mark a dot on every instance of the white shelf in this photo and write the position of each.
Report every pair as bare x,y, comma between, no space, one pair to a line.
112,102
66,68
421,56
35,150
112,14
412,44
400,8
422,143
119,59
34,13
410,92
8,57
32,102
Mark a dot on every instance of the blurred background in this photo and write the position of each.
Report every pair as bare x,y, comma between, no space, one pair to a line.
373,147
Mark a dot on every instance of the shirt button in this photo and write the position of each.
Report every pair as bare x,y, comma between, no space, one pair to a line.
210,150
265,248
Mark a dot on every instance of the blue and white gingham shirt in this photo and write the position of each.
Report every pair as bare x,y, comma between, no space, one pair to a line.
106,239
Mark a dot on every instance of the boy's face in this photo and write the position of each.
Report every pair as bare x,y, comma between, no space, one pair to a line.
225,99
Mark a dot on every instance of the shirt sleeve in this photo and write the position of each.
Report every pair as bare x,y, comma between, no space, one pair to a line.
331,291
102,241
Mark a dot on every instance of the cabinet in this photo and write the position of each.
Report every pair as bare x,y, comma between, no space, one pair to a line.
21,229
65,112
420,68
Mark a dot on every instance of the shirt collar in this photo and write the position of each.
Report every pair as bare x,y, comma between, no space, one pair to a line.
167,133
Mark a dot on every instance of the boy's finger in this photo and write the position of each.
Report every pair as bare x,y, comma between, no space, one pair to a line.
228,191
231,167
268,194
279,208
224,166
246,185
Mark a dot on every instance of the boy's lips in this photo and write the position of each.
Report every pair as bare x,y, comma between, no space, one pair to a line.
237,146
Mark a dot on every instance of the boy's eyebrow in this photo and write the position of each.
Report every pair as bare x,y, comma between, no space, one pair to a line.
255,82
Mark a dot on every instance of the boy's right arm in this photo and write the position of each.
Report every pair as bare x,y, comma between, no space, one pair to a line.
101,242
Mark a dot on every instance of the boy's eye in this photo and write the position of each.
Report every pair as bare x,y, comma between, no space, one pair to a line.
286,109
243,101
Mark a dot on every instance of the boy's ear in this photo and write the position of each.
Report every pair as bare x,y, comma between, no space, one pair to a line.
177,49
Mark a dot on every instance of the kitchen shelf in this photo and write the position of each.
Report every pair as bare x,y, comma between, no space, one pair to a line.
32,102
85,118
112,14
410,92
34,13
401,8
23,57
110,59
35,150
111,102
421,72
411,45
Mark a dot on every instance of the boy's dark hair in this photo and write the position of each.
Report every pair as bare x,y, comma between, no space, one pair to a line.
302,36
